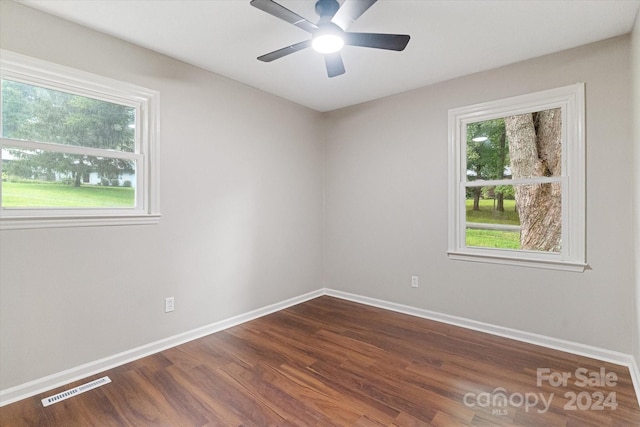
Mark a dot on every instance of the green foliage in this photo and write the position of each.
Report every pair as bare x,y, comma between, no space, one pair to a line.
490,192
487,159
44,115
508,191
17,169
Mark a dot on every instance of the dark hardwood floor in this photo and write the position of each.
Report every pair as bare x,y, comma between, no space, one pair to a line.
333,362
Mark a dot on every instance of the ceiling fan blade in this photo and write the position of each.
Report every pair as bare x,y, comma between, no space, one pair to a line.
350,11
276,54
334,63
377,41
274,9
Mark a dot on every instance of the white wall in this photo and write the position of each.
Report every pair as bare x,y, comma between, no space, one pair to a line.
635,72
241,198
386,205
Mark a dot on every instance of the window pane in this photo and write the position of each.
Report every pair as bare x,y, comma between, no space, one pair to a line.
34,113
523,146
526,217
42,179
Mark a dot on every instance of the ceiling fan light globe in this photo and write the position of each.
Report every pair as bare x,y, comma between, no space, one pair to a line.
327,43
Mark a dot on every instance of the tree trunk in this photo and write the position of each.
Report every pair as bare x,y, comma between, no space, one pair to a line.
476,198
535,150
77,176
502,158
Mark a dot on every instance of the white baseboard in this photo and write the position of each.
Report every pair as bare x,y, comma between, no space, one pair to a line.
635,377
49,382
44,384
528,337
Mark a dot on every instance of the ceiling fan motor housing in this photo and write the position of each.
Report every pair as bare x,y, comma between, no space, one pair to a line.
326,9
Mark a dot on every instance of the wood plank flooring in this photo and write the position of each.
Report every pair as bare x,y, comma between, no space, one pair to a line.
331,362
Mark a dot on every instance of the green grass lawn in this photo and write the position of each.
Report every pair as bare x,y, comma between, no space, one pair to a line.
493,239
487,214
39,194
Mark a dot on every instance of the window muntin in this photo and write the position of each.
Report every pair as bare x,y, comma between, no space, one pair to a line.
542,220
76,148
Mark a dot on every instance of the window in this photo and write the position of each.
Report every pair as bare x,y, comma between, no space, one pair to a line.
76,149
517,180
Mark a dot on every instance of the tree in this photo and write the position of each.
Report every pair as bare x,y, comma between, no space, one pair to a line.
535,150
43,115
487,156
500,164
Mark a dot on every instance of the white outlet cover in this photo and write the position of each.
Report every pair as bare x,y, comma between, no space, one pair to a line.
414,281
169,304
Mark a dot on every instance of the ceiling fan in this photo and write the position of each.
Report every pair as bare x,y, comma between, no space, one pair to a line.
330,34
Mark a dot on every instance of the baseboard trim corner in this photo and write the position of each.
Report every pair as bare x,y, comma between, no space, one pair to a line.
635,377
44,384
605,355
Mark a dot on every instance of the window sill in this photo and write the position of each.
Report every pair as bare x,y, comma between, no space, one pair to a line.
504,259
19,223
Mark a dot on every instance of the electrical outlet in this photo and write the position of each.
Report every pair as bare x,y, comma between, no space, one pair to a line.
169,304
414,281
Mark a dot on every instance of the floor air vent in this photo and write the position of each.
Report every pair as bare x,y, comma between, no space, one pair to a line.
75,391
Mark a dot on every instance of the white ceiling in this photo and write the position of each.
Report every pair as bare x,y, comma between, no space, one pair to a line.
448,39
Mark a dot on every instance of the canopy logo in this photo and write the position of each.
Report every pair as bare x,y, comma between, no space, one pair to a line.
499,400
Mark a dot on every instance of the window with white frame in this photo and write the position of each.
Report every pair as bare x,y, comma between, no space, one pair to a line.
77,149
517,180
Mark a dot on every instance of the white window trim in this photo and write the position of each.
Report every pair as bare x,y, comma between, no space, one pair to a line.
17,67
571,99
